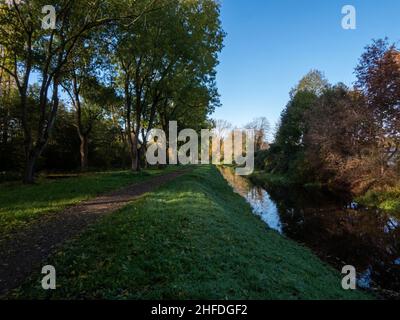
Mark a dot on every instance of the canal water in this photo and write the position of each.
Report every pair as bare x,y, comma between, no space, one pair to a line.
338,233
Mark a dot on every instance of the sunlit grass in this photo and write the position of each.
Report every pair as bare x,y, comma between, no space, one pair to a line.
192,239
22,204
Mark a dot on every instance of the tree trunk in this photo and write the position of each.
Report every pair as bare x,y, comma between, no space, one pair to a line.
4,139
135,154
134,163
143,151
34,151
84,149
29,172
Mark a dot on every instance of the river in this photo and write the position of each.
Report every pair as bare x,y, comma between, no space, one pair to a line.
338,233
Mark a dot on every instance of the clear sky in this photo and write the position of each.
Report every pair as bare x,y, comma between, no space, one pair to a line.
271,44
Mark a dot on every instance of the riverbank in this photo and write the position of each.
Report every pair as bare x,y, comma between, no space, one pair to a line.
262,178
387,200
192,239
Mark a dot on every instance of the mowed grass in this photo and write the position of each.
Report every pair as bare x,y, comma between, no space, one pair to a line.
192,239
23,204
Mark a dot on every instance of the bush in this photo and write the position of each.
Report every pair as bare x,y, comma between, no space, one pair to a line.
386,200
9,176
260,159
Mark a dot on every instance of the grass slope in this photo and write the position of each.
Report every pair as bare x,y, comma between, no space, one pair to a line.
267,179
22,204
192,239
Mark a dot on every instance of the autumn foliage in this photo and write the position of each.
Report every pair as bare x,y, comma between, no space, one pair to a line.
347,139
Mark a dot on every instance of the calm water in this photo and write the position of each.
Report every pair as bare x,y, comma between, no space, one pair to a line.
340,235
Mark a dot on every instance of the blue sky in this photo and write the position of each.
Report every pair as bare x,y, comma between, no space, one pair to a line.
271,44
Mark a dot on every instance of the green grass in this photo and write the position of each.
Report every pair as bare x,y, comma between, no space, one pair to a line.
23,204
192,239
387,200
272,180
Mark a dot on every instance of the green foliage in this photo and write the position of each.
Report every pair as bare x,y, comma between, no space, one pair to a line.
127,66
260,159
59,154
387,199
11,137
314,82
286,155
345,139
192,239
107,149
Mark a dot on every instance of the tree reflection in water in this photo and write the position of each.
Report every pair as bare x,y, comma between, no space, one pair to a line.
364,238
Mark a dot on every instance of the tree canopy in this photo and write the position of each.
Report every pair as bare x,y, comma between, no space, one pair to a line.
126,66
344,138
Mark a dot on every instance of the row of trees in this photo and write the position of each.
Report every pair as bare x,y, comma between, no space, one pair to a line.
260,126
113,69
345,138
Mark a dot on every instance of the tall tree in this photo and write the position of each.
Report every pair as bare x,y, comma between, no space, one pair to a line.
261,128
314,82
338,147
378,79
286,155
46,53
177,48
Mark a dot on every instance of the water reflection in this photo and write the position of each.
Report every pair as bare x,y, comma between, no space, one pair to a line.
337,232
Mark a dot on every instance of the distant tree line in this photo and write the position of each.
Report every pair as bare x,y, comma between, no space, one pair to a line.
88,92
344,138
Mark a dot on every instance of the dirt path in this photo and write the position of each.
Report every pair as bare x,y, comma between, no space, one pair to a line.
28,248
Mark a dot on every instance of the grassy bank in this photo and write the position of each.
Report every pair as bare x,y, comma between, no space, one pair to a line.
192,239
22,204
387,200
262,178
